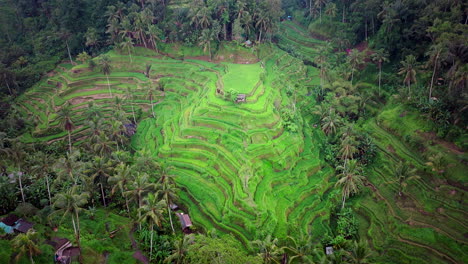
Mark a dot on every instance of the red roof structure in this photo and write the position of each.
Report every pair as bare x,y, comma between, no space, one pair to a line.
10,220
184,220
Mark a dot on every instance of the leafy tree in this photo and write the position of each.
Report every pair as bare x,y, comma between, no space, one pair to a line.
26,244
106,69
300,249
331,10
350,179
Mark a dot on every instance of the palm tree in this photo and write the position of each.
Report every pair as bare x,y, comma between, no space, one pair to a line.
25,244
359,253
65,119
153,33
17,154
69,167
355,59
127,44
43,168
268,248
103,146
180,249
403,173
408,69
330,122
139,187
299,249
129,98
350,179
380,56
348,148
434,54
168,191
101,168
153,209
120,180
331,10
319,3
106,69
71,203
116,131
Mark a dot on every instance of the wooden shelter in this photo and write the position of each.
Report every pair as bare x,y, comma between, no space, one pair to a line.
240,98
185,221
23,226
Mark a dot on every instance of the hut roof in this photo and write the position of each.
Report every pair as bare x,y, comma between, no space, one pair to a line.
71,252
58,242
23,226
10,220
8,229
174,206
241,98
184,220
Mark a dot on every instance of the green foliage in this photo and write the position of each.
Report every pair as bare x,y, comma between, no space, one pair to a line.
347,224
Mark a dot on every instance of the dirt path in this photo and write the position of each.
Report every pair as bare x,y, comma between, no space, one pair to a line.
138,255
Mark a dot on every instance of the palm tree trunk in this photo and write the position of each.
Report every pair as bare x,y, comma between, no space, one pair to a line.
68,49
48,189
320,7
69,141
151,243
152,109
352,75
77,228
380,76
103,197
21,185
129,53
126,204
108,85
343,20
74,225
170,217
433,75
344,200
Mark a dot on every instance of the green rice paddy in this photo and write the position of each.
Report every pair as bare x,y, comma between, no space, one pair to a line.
242,172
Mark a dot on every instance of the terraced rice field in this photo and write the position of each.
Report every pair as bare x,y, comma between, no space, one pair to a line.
240,170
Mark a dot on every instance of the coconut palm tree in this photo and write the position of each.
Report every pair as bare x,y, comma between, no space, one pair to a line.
331,10
331,122
269,249
434,53
25,244
153,209
153,33
127,44
42,167
101,168
168,191
408,69
299,249
380,56
103,146
71,204
69,167
180,249
17,154
359,253
355,59
350,179
106,69
403,174
120,180
129,98
348,148
138,188
319,4
65,119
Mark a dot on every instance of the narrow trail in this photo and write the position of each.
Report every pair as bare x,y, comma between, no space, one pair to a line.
138,254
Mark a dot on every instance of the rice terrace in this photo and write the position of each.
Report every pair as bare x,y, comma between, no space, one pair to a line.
237,142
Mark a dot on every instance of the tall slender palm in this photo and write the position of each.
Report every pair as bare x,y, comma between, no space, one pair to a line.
130,100
331,10
299,249
43,168
319,4
116,131
434,54
103,146
355,59
25,244
106,69
69,167
17,154
71,204
168,191
127,44
153,209
153,33
120,180
65,119
151,91
408,69
101,168
350,179
348,148
138,188
380,56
